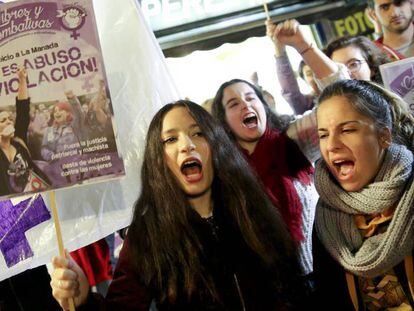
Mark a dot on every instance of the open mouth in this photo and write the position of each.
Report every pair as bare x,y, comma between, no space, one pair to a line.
250,120
8,130
192,169
59,117
397,20
344,168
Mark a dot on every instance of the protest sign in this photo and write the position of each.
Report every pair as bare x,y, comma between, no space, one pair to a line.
398,77
139,85
63,134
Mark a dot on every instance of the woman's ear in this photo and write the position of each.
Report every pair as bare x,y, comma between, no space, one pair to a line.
385,138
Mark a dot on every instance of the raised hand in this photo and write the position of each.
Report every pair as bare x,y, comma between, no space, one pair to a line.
22,74
22,93
370,14
290,32
69,94
280,48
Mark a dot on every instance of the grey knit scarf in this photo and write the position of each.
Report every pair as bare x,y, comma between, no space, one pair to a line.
335,223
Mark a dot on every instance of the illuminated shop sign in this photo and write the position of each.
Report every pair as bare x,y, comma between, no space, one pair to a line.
354,24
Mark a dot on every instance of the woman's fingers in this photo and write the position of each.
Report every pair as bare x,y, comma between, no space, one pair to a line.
68,281
22,73
270,29
62,262
63,289
64,281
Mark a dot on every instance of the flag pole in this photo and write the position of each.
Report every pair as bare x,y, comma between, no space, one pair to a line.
266,9
55,215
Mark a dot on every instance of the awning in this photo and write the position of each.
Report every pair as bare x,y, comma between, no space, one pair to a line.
237,26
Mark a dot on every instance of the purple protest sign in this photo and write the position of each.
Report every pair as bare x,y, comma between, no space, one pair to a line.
63,132
27,17
403,83
15,220
398,77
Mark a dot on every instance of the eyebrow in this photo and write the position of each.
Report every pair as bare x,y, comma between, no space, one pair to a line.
234,98
173,130
389,3
353,60
321,129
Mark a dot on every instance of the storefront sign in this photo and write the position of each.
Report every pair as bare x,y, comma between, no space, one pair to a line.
353,25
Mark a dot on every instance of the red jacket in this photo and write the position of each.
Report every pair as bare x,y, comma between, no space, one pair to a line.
95,261
393,54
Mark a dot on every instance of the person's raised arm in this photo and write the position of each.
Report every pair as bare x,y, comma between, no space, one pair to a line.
78,122
292,33
286,76
22,107
22,93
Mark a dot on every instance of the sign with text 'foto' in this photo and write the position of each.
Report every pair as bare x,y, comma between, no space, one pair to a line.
56,116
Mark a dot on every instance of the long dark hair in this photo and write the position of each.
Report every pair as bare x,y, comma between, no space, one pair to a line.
384,108
164,245
372,54
274,120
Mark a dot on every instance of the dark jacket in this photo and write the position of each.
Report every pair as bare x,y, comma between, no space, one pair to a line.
242,282
331,289
28,291
21,126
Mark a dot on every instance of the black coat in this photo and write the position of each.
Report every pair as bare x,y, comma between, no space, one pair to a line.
28,291
241,280
331,288
21,126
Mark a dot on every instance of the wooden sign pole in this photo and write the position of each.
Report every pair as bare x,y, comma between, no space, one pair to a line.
266,10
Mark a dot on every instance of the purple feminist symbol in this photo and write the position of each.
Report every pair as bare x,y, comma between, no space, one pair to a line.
72,18
87,84
15,220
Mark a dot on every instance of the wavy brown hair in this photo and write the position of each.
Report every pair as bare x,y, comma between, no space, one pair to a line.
164,246
372,54
274,121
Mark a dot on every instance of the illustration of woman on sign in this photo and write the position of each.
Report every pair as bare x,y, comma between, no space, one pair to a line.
61,140
64,124
18,172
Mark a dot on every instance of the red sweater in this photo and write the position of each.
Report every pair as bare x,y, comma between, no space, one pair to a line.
94,259
278,161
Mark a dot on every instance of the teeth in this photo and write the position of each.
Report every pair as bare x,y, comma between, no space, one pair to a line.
8,130
251,115
190,162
